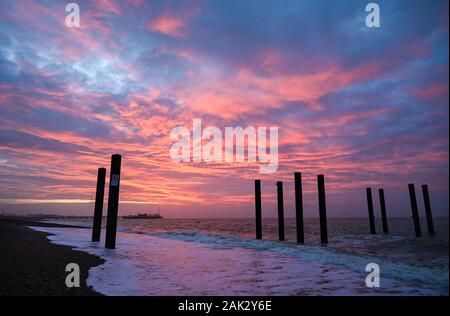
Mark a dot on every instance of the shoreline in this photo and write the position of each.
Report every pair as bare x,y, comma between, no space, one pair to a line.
308,270
25,221
31,265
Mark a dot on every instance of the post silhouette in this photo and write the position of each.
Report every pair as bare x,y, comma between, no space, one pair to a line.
322,209
299,208
415,212
426,201
113,202
383,211
98,208
258,209
370,208
280,210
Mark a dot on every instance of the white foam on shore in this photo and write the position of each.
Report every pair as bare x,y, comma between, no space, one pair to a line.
157,265
324,255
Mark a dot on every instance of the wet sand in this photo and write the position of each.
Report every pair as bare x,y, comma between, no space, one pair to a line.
31,265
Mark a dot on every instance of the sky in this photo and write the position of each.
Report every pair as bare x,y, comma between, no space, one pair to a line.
366,107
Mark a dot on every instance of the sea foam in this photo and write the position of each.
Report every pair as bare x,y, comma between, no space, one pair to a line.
199,264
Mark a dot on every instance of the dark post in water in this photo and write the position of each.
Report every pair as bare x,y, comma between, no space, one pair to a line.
426,201
415,212
280,210
258,209
98,209
299,207
322,209
370,207
383,211
113,202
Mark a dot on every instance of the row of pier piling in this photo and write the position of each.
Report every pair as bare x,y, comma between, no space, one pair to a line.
414,210
323,209
113,206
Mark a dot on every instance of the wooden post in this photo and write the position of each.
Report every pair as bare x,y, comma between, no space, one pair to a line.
113,202
415,212
280,210
370,208
98,209
322,209
258,209
426,201
299,208
383,211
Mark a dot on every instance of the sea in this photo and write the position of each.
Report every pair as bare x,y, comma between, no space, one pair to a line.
222,257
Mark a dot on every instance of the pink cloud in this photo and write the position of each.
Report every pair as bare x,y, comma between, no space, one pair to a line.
109,6
432,92
246,92
168,24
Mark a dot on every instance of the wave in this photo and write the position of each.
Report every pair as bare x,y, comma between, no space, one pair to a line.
193,263
319,254
432,276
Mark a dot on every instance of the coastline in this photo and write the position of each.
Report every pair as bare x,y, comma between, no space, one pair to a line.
31,265
195,263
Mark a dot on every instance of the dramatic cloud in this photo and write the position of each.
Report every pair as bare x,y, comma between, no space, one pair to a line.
364,106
